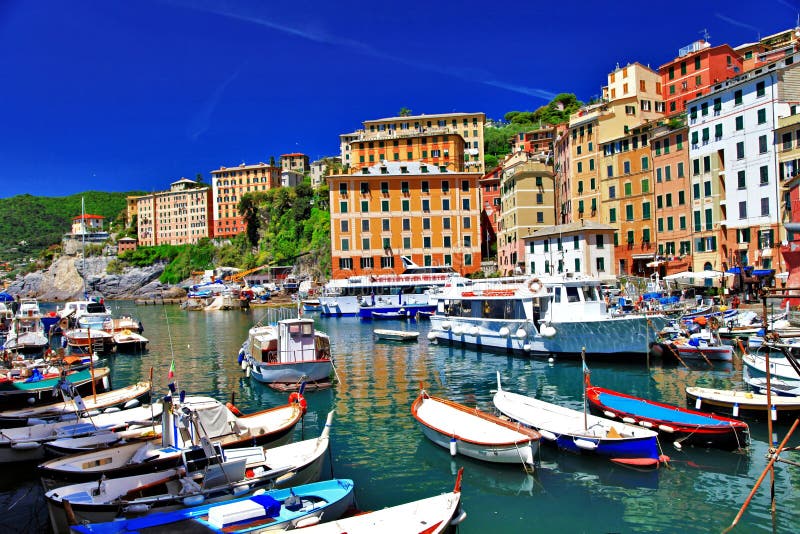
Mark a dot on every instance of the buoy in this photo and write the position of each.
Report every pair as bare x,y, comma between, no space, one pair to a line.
137,508
548,331
611,415
736,409
299,399
546,434
527,347
241,490
698,403
431,335
677,445
504,331
774,412
453,447
31,400
233,409
666,428
550,359
586,444
474,331
105,383
521,333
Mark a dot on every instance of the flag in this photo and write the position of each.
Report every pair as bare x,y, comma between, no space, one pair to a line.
586,374
171,374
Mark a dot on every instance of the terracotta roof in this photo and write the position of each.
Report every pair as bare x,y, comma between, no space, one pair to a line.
292,155
87,216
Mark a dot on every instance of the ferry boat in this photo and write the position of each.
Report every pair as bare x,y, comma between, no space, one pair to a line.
550,316
406,293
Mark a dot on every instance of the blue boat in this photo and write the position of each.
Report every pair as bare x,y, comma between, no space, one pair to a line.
281,509
581,432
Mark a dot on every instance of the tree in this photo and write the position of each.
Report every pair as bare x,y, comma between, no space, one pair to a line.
272,161
199,178
405,112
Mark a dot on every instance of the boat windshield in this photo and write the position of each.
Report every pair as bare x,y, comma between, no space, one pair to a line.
590,293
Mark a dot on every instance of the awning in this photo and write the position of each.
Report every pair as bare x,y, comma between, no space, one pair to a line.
763,272
655,263
735,270
642,256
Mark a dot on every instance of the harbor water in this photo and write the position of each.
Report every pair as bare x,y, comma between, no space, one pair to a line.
375,440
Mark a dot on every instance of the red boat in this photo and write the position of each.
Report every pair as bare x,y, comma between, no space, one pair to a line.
683,426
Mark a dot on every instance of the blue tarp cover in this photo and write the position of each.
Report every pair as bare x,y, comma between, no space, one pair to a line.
5,297
645,409
763,272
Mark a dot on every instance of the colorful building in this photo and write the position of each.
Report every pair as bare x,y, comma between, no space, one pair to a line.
579,247
229,184
769,49
296,162
391,209
490,214
538,141
179,216
389,137
125,244
87,224
698,67
442,150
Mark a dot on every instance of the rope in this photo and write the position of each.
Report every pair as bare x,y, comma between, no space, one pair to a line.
524,465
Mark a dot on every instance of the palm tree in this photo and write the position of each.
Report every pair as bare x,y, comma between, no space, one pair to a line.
405,112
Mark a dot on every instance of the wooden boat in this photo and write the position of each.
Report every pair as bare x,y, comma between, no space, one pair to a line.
432,515
129,396
288,352
281,509
684,426
779,366
128,341
395,335
312,305
743,404
778,386
37,390
388,315
474,433
212,476
79,339
580,432
204,416
120,324
26,443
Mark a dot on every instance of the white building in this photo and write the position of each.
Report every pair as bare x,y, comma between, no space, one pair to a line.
734,167
581,247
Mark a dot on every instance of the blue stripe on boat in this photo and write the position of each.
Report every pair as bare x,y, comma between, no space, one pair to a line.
653,411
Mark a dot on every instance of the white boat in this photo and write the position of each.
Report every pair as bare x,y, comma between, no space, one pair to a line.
395,335
704,346
6,318
412,291
27,443
223,301
551,315
738,404
779,366
289,352
431,515
224,474
473,433
26,333
192,419
129,341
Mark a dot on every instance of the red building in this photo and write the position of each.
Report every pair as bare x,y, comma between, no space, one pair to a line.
697,67
490,210
791,249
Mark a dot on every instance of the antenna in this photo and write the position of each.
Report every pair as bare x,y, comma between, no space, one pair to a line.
705,33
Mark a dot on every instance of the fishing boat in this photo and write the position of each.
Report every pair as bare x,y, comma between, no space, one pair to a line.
744,404
400,314
778,386
684,426
363,295
551,315
779,366
123,323
26,443
187,423
287,353
210,476
26,334
581,432
395,335
431,515
312,305
473,433
696,347
89,330
128,397
34,388
281,509
128,341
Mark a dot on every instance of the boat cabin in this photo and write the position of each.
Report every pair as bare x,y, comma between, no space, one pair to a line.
290,341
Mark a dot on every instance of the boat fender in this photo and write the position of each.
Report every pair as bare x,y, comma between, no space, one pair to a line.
534,285
26,445
629,420
546,434
610,415
241,490
527,347
137,508
113,409
585,444
453,447
677,445
247,371
774,412
736,409
504,331
133,403
698,403
35,421
307,521
241,357
31,400
548,331
666,428
233,409
193,500
474,331
446,325
431,335
646,424
521,333
457,330
106,385
527,455
461,516
260,491
299,399
92,413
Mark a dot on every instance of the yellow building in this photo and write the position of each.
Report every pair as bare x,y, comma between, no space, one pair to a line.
229,184
296,162
468,125
179,216
414,209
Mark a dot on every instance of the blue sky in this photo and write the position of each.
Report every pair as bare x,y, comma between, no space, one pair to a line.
118,96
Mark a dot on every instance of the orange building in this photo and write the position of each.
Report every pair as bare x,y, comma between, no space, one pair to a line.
229,184
392,209
670,154
87,224
770,48
697,67
441,150
179,216
539,141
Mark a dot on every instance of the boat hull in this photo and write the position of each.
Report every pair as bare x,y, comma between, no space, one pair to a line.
291,373
744,404
18,394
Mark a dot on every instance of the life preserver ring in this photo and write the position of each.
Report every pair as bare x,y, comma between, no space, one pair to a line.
234,410
63,323
713,323
299,399
534,285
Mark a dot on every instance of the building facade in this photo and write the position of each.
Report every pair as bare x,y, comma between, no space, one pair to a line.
579,247
182,215
394,209
229,184
490,215
296,162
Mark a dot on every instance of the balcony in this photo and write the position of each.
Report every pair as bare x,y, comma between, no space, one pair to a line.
362,135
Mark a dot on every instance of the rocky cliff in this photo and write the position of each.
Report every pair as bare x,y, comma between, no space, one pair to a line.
64,280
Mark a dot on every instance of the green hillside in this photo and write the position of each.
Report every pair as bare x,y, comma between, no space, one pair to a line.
29,224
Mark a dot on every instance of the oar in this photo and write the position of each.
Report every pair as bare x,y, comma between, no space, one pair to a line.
675,353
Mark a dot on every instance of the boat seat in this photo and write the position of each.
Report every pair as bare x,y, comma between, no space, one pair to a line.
80,497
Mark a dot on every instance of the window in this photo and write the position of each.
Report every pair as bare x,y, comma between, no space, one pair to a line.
387,261
385,224
539,198
630,240
346,263
762,144
366,263
612,191
627,189
424,186
365,243
365,225
465,204
426,223
697,225
343,206
680,169
445,223
660,225
576,242
709,219
445,204
405,205
696,191
645,210
591,163
645,185
384,188
740,150
743,209
345,244
610,171
580,206
446,241
739,123
670,224
546,245
645,163
467,241
717,132
612,215
765,206
580,166
629,212
426,241
763,175
645,235
467,222
741,180
707,188
695,167
762,115
384,205
364,205
737,97
426,205
626,167
704,109
445,186
682,222
760,89
601,264
681,198
580,187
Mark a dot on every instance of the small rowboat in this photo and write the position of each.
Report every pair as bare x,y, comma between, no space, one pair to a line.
575,431
39,390
685,426
395,335
430,516
474,433
281,509
389,315
743,404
